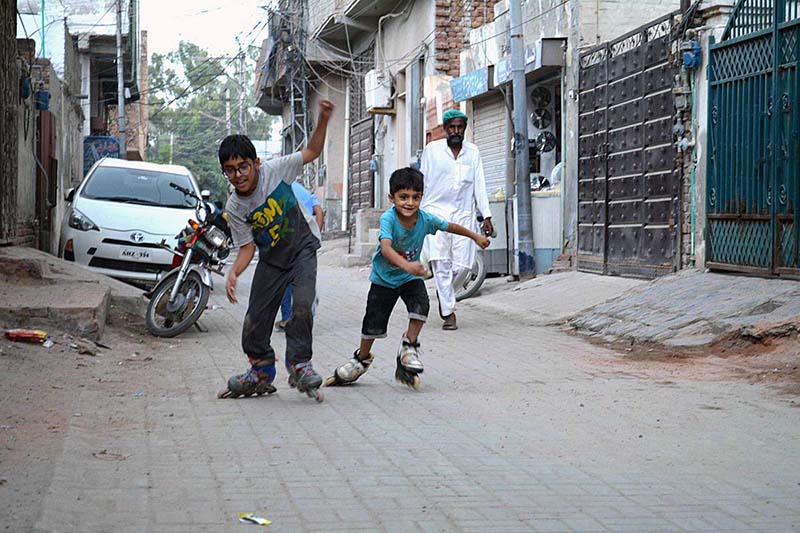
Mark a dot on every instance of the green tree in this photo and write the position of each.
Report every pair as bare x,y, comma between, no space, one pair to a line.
188,89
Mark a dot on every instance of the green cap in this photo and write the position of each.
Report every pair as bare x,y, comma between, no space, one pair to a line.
450,114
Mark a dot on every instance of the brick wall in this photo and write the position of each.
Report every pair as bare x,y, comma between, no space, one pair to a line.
9,96
453,22
137,122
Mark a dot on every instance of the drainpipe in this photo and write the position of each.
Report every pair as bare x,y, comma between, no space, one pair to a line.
694,166
42,36
122,133
346,158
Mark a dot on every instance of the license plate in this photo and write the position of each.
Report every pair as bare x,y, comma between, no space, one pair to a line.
135,254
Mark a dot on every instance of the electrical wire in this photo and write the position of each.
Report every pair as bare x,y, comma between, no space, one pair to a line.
110,7
538,15
189,91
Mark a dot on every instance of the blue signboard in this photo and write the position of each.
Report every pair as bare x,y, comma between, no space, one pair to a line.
97,147
502,71
470,85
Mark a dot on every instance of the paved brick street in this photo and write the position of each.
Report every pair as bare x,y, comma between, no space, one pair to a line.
512,431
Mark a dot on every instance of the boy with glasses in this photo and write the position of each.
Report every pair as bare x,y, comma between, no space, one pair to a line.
264,212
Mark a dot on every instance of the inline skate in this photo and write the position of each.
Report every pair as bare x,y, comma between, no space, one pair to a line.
350,371
257,380
409,367
303,378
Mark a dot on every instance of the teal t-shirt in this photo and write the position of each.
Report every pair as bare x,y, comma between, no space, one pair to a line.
407,242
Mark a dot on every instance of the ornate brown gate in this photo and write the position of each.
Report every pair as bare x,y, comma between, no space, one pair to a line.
361,181
628,185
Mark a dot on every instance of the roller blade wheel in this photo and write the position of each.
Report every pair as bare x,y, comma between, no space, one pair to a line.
316,394
312,392
335,381
408,379
258,391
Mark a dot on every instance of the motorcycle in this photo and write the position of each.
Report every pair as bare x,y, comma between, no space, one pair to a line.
469,282
181,296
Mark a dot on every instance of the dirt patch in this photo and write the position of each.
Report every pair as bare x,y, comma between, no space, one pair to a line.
771,359
39,391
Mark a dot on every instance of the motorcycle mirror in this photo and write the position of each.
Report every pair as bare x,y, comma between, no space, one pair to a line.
205,194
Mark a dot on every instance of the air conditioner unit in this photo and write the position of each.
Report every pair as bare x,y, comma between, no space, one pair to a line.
378,93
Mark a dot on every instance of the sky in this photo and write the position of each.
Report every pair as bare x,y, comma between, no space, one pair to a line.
211,24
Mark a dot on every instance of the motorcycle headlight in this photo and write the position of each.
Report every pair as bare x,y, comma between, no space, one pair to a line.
215,236
81,222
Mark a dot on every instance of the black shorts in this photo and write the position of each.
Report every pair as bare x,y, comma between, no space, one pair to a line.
381,301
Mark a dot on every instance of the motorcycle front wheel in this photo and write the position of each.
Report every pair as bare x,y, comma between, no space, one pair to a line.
163,323
473,281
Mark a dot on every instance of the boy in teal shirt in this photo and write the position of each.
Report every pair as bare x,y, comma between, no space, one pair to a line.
398,273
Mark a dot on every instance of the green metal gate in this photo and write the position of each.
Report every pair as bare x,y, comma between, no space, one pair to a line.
753,189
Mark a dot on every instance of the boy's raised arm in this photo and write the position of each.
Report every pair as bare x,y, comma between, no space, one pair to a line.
458,229
317,142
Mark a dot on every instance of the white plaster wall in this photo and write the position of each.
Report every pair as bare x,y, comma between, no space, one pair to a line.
717,12
330,192
26,171
403,39
604,20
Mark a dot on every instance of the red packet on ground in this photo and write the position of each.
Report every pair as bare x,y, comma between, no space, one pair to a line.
35,336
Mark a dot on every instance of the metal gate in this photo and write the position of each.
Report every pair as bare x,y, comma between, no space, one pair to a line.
361,180
628,185
753,188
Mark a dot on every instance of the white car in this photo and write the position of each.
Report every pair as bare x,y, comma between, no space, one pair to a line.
121,212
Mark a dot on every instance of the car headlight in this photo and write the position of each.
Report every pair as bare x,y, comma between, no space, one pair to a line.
81,222
215,236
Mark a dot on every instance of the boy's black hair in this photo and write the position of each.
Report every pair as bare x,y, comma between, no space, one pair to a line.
236,146
406,178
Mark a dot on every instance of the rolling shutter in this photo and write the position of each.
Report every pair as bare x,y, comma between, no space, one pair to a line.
490,132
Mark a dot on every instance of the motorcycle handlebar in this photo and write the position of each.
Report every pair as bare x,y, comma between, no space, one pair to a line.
188,192
184,190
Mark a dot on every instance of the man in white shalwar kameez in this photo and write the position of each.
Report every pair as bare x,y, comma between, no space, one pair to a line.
454,187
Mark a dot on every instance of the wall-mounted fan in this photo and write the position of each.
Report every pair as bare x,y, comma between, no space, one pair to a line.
540,97
541,118
545,142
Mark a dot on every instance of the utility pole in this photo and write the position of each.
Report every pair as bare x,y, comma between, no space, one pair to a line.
240,78
521,158
123,141
228,109
171,145
42,35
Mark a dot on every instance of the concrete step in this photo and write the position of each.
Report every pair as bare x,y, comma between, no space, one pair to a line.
81,311
41,290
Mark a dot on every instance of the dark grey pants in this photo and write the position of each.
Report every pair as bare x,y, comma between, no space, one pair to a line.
269,284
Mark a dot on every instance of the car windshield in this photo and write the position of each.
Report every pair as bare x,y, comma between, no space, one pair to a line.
138,186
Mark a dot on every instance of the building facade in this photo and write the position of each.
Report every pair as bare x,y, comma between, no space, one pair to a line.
65,72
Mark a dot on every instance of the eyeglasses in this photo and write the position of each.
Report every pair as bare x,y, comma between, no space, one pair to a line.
242,169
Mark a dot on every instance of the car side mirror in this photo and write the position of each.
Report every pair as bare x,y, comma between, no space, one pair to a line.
70,195
205,194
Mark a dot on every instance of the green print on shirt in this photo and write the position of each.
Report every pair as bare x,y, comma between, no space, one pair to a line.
270,221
